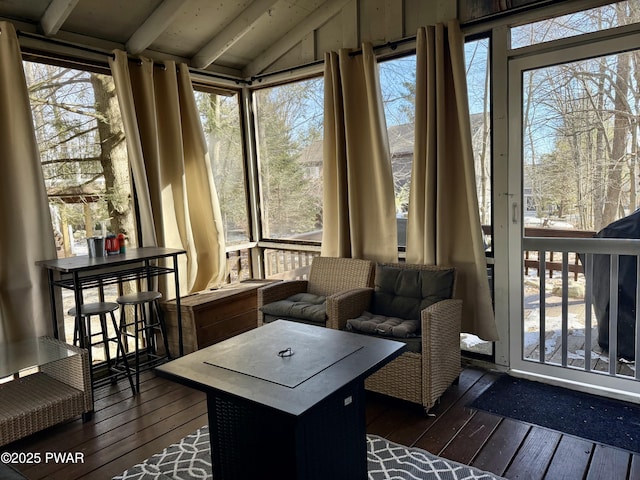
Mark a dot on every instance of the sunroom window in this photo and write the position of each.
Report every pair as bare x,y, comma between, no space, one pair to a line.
289,121
220,118
578,23
398,85
84,160
84,157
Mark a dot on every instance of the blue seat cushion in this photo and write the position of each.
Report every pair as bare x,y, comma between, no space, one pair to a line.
306,306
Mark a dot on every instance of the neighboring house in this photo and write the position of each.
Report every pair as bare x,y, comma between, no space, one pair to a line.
401,140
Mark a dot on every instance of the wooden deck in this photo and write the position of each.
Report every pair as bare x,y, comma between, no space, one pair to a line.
576,339
126,430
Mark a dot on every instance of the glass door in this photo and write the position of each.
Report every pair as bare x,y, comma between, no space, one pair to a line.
574,107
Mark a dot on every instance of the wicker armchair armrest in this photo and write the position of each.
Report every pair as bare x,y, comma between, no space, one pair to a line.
441,325
345,305
73,371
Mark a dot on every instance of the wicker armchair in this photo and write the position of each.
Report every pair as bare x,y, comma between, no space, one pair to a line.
420,376
305,300
59,391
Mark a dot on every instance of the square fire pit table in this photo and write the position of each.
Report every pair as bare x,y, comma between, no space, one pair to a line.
286,400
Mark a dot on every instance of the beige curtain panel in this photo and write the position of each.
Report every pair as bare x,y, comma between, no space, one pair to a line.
171,168
358,205
120,73
25,309
443,225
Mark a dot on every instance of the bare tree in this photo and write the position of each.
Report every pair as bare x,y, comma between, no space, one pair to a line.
613,192
113,156
84,159
583,115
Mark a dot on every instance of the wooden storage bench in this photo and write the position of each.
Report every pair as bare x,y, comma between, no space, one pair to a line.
211,316
58,390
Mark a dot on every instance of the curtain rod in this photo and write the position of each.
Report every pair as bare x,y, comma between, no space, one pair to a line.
106,53
64,43
391,45
262,76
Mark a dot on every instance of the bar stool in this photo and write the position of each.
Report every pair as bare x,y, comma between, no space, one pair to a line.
83,335
145,324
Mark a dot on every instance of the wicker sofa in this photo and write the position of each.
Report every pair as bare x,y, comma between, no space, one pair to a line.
431,362
305,300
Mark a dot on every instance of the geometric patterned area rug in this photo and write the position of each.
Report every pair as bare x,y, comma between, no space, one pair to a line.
190,459
388,460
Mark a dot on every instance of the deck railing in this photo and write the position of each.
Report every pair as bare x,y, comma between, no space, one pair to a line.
292,261
279,261
532,260
288,264
585,249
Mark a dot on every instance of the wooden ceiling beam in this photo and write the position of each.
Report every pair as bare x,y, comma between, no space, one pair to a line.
315,20
55,15
154,26
233,32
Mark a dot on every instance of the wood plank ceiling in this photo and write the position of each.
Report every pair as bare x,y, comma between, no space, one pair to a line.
241,38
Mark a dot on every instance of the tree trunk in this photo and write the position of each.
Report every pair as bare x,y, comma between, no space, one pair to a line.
485,163
619,142
598,178
635,144
113,157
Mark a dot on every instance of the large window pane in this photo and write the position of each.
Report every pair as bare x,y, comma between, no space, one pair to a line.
478,81
85,165
574,24
580,156
220,118
478,70
289,129
84,157
397,80
398,85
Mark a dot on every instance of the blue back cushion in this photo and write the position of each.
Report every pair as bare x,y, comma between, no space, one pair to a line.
404,293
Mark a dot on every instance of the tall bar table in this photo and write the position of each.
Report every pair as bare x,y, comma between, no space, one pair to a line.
81,272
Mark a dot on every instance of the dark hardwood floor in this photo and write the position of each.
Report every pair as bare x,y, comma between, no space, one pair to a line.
127,429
